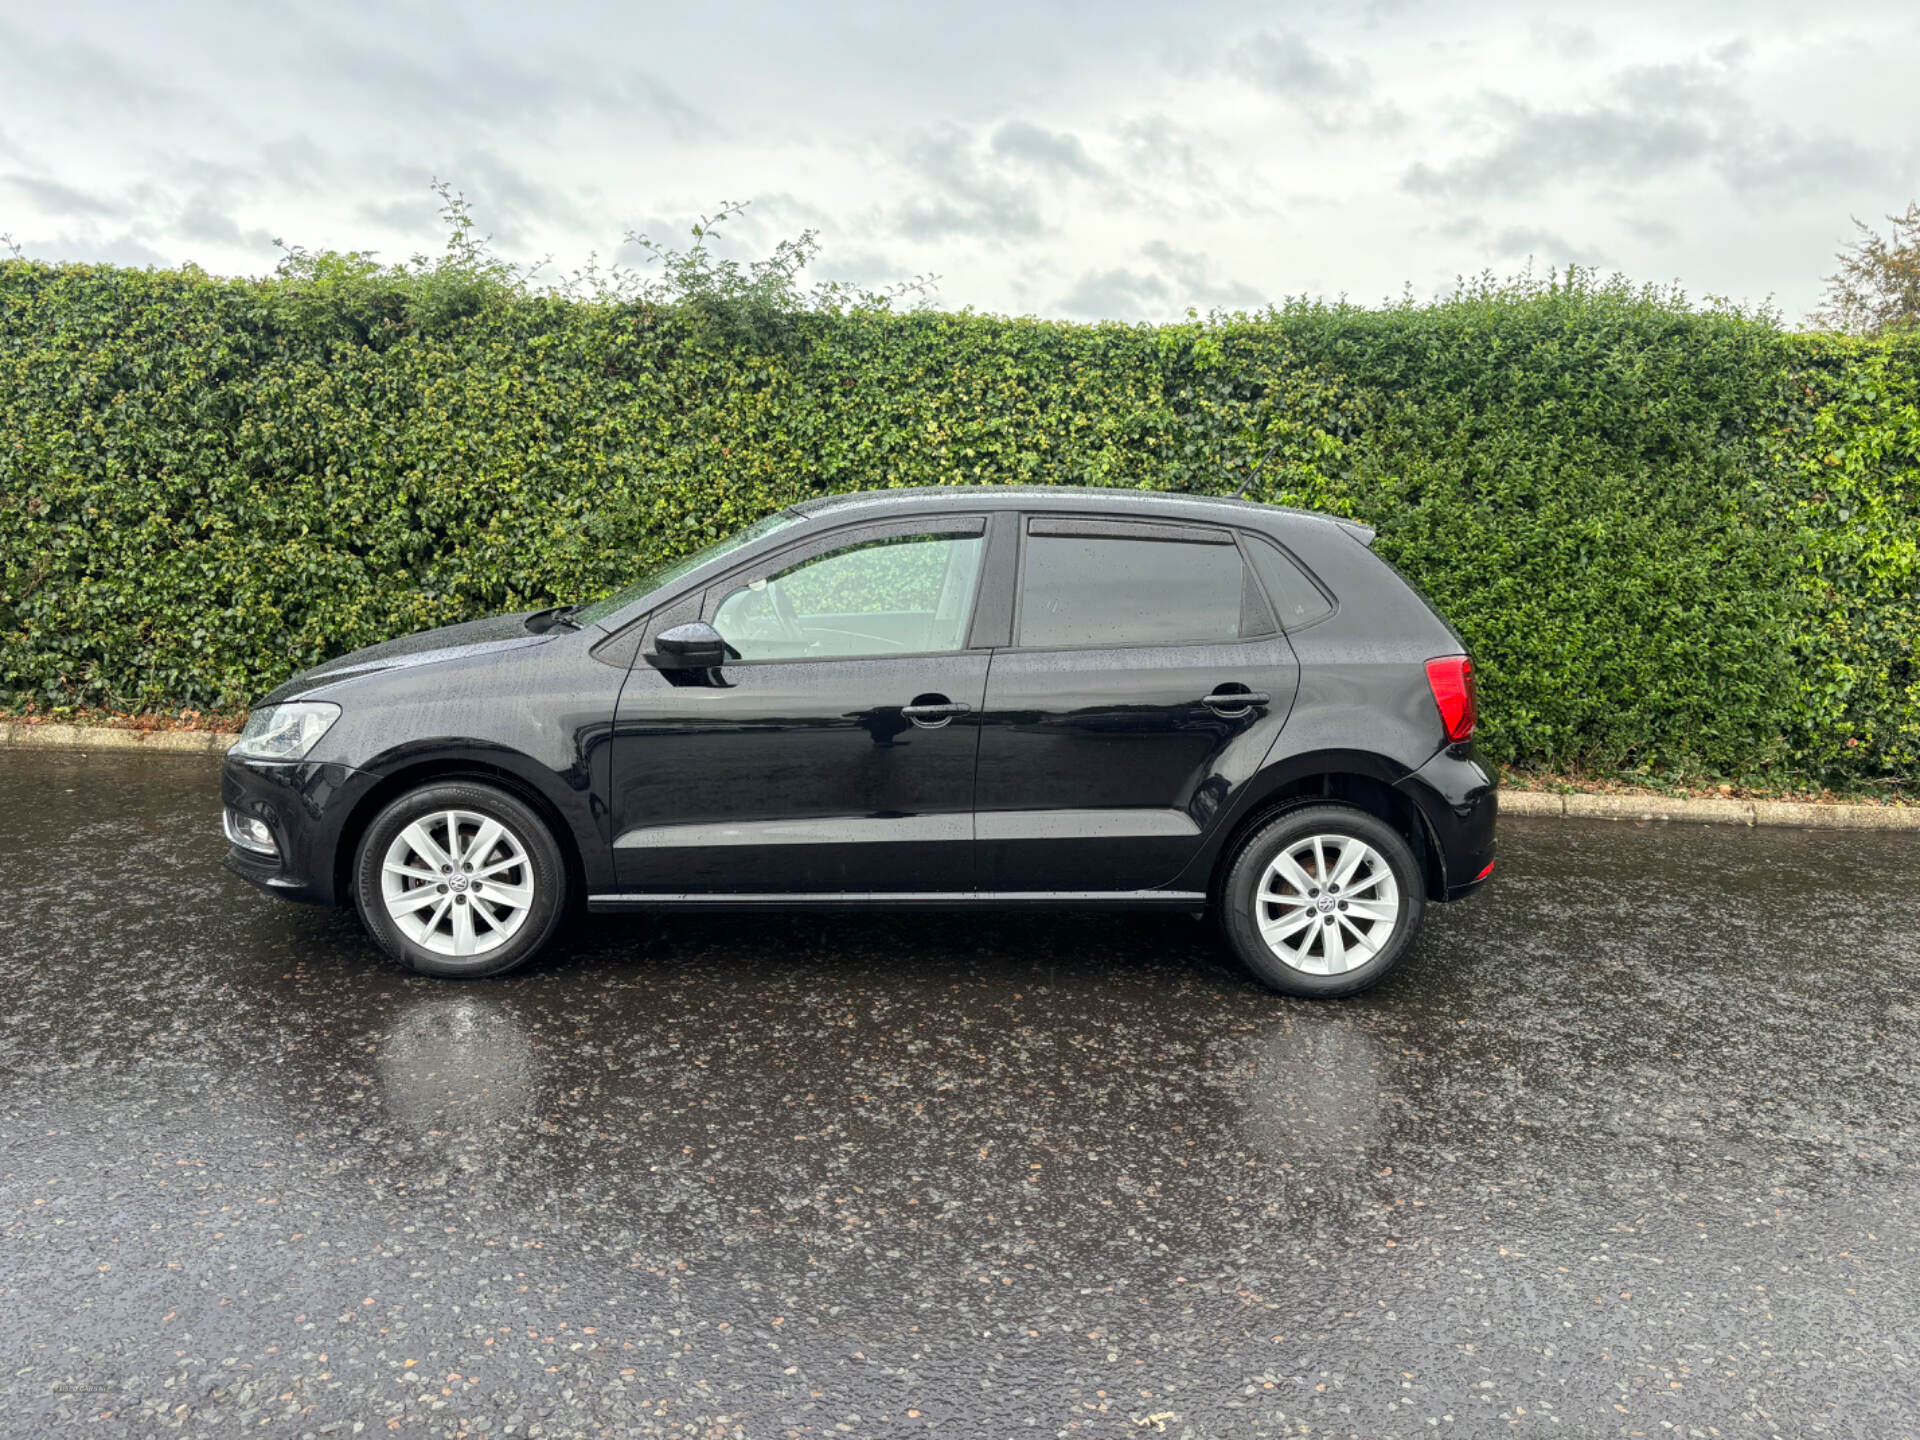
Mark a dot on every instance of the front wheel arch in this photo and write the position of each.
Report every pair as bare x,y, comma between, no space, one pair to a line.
433,772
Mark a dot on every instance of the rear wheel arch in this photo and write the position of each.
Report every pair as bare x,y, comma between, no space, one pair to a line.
438,771
1338,784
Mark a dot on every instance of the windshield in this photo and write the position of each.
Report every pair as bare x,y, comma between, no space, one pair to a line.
666,574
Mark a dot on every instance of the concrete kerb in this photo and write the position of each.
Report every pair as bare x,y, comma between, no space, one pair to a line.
1806,816
15,736
1572,806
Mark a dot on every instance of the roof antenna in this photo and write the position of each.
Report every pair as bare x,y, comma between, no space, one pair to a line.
1241,492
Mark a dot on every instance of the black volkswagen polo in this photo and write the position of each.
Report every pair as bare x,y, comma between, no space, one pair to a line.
956,697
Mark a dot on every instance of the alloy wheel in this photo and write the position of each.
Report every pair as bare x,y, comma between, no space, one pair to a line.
1327,904
457,882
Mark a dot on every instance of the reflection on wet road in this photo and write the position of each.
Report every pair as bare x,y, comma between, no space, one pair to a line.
1629,1145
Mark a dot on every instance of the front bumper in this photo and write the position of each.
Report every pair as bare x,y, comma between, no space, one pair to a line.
1461,802
305,806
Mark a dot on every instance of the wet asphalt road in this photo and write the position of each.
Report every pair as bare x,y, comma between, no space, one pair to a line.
1628,1148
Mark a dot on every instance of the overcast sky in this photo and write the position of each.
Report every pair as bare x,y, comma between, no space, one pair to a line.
1115,160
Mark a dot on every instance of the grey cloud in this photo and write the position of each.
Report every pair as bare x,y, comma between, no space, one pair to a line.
127,249
1679,88
1779,163
202,220
1564,41
1387,120
1178,278
154,209
867,269
213,175
1056,152
661,231
1541,148
492,90
298,161
1158,147
1119,294
1329,93
1522,240
507,202
752,234
1287,65
52,198
1655,121
964,198
407,216
783,211
74,67
1191,277
1653,232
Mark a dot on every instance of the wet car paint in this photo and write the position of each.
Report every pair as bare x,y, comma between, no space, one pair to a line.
1102,778
1628,1143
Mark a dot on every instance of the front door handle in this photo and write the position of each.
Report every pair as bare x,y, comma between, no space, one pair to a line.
1236,701
931,714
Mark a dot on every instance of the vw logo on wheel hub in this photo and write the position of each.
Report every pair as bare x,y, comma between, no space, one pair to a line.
456,883
1325,902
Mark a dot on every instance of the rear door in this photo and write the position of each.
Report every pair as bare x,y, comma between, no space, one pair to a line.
1146,680
835,756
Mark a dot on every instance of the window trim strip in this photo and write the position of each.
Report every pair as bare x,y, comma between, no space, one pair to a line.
1077,527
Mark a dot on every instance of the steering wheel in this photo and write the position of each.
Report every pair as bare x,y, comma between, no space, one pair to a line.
783,611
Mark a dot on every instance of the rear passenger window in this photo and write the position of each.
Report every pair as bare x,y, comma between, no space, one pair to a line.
1150,585
1294,595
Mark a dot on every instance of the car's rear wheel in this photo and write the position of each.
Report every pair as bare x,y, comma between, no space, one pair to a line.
460,879
1323,901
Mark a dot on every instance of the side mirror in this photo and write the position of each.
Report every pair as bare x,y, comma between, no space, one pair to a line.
693,646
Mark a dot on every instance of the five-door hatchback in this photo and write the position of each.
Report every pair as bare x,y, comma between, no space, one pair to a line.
954,697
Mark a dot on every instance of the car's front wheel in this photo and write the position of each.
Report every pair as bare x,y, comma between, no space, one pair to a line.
1323,901
460,879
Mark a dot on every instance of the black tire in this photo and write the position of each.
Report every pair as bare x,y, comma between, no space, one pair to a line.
1240,898
543,869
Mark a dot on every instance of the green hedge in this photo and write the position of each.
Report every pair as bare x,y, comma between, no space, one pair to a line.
1676,539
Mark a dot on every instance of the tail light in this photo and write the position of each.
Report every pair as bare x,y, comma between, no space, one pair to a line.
1451,680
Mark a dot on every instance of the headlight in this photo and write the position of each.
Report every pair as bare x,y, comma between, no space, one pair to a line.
285,732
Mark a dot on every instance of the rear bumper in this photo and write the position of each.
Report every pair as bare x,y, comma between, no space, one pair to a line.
305,806
1461,803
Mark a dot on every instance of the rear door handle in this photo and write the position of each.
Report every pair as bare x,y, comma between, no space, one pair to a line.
1236,699
932,716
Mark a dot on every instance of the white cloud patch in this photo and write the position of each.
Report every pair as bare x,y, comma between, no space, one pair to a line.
1124,163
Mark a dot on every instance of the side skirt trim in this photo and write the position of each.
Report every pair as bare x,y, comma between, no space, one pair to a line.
910,900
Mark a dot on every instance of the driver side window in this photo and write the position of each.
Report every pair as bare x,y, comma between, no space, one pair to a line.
899,595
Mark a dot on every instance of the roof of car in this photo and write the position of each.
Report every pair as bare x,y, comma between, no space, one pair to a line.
1076,497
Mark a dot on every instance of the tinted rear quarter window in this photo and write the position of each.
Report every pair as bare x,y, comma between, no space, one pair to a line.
1294,594
1080,590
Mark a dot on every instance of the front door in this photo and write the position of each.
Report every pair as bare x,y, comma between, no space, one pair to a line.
1147,678
836,754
